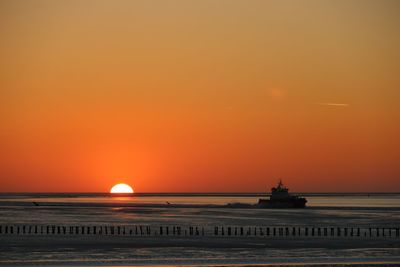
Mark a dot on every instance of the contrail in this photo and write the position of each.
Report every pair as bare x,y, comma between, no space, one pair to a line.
334,104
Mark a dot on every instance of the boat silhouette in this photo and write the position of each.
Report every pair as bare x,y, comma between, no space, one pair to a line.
281,198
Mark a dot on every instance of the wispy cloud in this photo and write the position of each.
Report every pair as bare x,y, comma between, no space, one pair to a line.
333,104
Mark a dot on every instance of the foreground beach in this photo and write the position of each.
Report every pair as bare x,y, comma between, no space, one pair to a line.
207,247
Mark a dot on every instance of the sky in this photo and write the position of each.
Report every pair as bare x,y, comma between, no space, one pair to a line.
199,96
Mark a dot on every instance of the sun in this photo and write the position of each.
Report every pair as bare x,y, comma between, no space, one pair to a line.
121,189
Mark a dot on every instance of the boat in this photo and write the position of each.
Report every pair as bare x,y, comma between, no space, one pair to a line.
281,198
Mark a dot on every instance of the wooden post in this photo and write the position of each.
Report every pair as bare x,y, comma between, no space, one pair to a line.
148,230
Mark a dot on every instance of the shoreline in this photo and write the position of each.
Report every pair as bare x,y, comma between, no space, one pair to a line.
93,241
324,263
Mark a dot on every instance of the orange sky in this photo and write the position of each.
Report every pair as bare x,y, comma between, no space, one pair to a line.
199,96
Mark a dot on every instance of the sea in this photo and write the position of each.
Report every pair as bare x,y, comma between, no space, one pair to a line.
365,210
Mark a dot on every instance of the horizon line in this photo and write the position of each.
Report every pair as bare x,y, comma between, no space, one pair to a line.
208,193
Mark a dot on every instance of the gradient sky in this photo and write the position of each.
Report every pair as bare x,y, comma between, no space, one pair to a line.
199,96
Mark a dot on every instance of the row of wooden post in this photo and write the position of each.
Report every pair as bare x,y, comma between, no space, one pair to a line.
146,230
138,230
307,231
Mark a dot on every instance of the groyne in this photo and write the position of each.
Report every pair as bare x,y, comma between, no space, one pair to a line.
198,231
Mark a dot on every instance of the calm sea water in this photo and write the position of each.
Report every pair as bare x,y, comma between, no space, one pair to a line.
314,200
346,210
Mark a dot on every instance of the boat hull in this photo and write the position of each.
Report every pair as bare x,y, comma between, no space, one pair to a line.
282,203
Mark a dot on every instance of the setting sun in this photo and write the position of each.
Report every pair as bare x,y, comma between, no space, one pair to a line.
121,189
